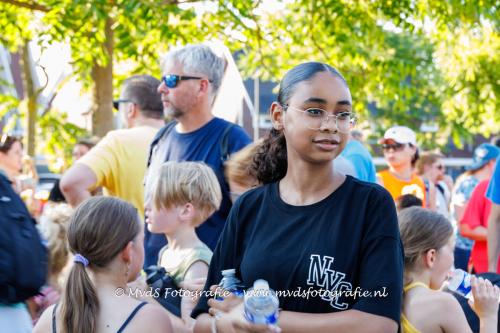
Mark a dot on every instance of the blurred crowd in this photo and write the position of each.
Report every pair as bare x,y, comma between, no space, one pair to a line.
178,195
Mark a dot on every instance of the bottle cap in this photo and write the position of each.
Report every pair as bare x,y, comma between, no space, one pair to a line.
260,285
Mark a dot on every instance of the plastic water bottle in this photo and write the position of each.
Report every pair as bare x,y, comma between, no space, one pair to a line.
231,283
459,282
261,304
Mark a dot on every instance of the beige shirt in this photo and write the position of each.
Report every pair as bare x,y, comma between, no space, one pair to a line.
177,263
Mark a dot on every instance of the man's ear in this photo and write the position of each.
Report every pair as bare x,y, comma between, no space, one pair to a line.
204,86
430,258
133,111
277,114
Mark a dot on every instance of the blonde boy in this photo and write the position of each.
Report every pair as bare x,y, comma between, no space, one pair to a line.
185,194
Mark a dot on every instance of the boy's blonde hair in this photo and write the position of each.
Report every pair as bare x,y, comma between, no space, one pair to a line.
178,183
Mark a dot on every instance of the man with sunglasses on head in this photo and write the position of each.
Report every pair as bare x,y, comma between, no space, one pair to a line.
191,79
118,161
399,145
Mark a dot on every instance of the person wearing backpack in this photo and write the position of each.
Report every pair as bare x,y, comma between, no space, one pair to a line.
191,78
23,257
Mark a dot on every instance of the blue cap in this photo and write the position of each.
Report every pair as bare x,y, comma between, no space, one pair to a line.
483,154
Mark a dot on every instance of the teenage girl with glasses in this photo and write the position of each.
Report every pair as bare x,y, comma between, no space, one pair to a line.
309,227
399,145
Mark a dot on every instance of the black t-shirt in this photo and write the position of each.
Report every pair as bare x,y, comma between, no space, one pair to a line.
348,243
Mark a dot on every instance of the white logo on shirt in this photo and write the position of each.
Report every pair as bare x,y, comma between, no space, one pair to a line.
322,274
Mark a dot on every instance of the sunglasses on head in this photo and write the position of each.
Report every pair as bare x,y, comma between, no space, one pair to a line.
7,139
171,80
394,146
116,103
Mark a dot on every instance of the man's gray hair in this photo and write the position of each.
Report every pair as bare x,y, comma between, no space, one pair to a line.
200,60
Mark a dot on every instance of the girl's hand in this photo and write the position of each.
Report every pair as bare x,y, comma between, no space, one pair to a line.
486,297
229,302
234,321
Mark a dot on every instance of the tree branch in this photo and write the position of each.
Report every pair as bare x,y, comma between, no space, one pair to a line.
259,39
41,88
177,2
29,5
311,32
235,17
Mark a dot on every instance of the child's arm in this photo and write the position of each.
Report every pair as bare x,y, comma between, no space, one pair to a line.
478,233
485,304
199,269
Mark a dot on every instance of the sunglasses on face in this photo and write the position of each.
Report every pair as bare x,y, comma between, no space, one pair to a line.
171,80
394,146
440,167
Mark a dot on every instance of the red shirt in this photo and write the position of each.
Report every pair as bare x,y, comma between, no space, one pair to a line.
476,214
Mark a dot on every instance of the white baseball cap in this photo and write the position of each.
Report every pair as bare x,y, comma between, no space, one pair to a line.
400,134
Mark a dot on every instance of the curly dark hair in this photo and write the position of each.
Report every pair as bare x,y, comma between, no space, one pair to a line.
270,163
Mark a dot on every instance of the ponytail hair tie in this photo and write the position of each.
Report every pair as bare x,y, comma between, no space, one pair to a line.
81,259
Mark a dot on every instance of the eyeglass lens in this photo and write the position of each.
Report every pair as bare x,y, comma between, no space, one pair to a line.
316,117
395,146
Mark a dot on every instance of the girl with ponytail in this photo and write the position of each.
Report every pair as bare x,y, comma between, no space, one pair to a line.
310,227
106,237
428,243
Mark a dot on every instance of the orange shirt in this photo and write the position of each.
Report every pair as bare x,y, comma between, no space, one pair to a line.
398,187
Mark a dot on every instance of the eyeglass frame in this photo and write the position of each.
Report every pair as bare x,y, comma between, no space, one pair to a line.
352,121
179,78
116,103
394,146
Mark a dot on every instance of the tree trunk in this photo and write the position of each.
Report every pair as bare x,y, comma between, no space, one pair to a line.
102,109
31,97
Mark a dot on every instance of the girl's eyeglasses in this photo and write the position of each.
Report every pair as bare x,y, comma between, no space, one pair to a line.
315,117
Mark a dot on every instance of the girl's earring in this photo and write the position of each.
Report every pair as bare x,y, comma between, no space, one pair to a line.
127,271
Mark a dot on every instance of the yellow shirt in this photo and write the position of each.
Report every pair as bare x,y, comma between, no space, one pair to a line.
405,323
119,163
398,187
